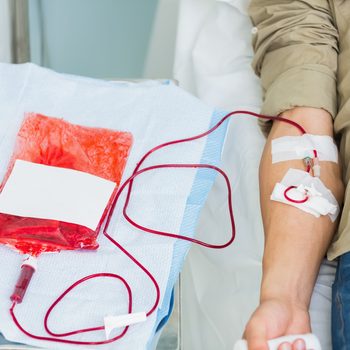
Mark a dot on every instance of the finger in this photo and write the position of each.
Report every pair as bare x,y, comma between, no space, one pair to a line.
255,334
285,346
299,344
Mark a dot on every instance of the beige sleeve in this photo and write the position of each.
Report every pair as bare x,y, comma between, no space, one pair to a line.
296,49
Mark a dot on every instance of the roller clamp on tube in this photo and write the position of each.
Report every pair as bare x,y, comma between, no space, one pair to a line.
311,341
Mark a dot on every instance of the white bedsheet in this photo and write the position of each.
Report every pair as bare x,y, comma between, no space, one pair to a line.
159,200
220,289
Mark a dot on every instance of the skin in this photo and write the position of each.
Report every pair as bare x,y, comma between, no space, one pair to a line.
295,241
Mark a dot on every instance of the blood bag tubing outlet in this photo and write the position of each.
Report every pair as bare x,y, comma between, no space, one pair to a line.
28,268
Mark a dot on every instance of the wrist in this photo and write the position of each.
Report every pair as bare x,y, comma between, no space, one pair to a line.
284,302
284,275
293,298
290,286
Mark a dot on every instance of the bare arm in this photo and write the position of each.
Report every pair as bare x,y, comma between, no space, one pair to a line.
295,241
296,51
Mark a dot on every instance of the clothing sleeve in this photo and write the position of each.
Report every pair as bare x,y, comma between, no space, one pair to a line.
296,52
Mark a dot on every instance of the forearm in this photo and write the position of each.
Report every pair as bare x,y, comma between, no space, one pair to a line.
295,241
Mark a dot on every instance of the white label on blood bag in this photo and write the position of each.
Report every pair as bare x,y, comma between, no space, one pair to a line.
47,192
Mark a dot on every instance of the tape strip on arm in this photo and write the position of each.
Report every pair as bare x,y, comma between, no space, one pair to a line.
319,199
301,147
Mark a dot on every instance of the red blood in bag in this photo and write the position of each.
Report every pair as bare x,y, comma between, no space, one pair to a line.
55,142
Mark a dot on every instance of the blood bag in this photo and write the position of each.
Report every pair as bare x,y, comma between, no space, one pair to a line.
56,143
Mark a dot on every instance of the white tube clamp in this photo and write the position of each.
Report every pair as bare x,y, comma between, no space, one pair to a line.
112,322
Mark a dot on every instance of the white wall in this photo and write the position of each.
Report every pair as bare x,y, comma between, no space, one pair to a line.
160,58
5,31
101,38
97,38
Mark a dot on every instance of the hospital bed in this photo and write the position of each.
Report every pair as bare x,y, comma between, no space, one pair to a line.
220,290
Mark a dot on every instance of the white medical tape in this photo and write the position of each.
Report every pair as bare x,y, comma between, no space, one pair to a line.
320,199
300,147
311,341
112,322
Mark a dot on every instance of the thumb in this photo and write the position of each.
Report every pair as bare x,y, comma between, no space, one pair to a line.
255,334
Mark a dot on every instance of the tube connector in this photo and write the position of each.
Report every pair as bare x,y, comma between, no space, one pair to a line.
308,162
27,271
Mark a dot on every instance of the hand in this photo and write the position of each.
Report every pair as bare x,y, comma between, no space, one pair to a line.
276,318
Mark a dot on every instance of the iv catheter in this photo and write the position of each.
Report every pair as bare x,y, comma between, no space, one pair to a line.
28,268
